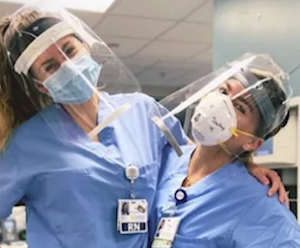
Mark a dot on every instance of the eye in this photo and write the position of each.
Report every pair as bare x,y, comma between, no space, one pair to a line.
51,67
70,52
240,108
223,90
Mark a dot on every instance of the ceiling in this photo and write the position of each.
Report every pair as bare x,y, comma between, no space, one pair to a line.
165,43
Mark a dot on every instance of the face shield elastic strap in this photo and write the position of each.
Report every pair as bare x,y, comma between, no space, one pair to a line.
262,100
27,45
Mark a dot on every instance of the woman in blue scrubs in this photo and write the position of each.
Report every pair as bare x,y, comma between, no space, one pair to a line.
207,197
71,151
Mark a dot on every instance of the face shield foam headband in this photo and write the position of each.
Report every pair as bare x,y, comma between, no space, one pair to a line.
28,44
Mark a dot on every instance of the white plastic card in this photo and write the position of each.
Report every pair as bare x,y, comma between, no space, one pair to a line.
132,216
166,232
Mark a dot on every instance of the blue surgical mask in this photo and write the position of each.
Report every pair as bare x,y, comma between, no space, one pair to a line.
75,81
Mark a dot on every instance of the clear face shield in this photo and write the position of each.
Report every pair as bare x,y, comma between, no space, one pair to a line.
60,60
244,101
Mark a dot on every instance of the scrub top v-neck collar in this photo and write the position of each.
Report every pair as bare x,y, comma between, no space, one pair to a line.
75,131
199,187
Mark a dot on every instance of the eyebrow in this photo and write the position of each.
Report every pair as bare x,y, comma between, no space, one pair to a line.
65,45
242,99
51,59
47,61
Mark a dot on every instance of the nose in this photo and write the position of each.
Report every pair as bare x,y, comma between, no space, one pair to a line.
61,58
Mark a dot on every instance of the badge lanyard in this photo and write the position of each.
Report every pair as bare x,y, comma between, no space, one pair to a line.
132,173
168,226
132,212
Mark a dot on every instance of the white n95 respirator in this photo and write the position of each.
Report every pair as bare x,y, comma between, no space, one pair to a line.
214,120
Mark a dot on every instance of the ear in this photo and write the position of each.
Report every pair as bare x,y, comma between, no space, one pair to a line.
254,144
41,88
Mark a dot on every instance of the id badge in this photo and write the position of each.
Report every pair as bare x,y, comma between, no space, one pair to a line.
132,216
165,232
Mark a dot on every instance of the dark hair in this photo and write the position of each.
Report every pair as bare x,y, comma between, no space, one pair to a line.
246,155
274,93
268,130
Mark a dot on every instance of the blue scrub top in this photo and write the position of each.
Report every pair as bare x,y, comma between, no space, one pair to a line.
228,208
71,185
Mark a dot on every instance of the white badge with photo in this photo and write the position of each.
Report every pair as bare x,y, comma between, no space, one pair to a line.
132,216
166,232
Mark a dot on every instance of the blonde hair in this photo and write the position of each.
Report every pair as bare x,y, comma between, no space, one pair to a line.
15,105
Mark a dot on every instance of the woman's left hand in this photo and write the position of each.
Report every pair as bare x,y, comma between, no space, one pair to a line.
270,177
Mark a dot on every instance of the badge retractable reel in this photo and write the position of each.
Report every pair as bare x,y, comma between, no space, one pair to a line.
132,212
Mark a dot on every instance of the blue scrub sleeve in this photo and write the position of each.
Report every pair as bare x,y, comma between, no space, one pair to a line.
13,183
267,224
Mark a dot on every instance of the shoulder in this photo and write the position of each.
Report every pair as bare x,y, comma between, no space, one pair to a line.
27,132
36,124
245,183
172,164
132,98
258,206
244,194
258,216
141,106
266,223
265,209
139,102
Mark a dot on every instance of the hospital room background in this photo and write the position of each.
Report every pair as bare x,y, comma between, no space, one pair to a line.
168,44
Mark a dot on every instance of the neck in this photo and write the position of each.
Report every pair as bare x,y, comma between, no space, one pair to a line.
205,161
84,114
